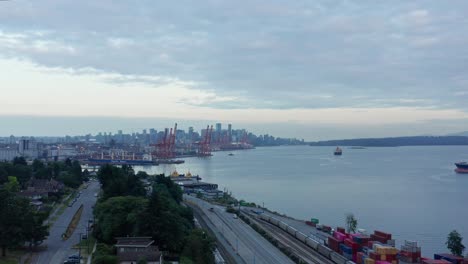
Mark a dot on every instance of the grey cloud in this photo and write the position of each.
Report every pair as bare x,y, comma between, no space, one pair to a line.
274,54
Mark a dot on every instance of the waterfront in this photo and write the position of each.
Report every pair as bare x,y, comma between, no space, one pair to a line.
411,192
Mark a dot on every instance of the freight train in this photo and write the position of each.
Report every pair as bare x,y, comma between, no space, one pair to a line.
312,243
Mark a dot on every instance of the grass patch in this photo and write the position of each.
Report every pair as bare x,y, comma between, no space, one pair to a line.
12,257
73,223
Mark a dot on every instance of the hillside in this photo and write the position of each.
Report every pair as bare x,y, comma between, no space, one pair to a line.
396,141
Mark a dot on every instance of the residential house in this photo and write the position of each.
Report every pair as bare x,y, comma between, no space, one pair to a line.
132,249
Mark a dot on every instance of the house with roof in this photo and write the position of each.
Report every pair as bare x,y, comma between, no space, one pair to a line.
132,249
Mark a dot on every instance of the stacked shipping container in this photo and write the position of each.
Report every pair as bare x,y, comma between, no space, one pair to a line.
410,253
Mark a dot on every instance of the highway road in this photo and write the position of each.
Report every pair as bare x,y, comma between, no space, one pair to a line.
248,244
57,250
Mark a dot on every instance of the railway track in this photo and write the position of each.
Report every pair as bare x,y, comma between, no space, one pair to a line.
300,249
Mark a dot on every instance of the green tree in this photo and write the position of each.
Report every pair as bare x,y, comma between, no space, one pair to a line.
13,211
33,228
142,261
3,174
351,223
120,182
199,248
19,161
455,243
12,185
168,222
120,217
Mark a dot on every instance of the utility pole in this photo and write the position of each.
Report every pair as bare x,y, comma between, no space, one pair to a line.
87,237
79,246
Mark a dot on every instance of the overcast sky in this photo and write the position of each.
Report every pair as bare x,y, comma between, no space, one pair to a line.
307,69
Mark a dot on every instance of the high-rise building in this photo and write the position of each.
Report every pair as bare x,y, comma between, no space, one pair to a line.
218,127
229,132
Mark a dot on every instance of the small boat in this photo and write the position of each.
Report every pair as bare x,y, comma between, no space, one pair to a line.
462,167
230,154
338,151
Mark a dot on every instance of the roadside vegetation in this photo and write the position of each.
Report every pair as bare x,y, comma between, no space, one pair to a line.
128,208
21,223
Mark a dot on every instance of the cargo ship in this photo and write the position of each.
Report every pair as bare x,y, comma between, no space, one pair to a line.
338,151
170,161
131,162
462,167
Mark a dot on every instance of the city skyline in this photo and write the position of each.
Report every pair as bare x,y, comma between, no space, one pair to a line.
322,70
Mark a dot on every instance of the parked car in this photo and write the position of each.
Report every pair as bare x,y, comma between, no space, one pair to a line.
71,261
75,256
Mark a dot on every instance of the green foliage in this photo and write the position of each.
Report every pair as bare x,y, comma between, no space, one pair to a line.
19,161
12,185
351,223
199,248
19,222
119,217
174,189
167,221
142,261
69,173
120,182
105,259
455,243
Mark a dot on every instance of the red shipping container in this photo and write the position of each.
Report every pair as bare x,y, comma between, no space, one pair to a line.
341,230
378,238
435,261
374,256
352,244
309,223
359,256
383,234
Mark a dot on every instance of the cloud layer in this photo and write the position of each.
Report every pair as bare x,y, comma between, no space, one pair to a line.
300,61
273,54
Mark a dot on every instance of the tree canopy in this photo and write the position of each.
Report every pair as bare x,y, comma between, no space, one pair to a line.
19,222
455,243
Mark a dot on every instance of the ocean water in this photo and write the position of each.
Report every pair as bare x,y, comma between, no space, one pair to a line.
411,192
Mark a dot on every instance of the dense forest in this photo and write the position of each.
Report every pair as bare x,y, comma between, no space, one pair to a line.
396,141
127,208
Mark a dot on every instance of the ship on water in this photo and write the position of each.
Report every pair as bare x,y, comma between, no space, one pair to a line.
338,151
462,167
129,162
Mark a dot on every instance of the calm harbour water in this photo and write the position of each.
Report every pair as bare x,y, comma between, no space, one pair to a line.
411,192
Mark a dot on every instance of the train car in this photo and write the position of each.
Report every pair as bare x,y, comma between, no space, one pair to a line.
291,230
324,251
301,236
312,243
265,217
283,226
274,221
337,258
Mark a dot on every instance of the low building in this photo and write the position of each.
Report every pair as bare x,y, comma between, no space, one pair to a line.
44,186
132,249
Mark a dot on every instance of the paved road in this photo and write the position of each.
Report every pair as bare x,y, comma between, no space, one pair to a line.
57,249
248,244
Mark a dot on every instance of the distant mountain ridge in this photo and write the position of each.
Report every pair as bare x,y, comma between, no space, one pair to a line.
396,141
463,134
